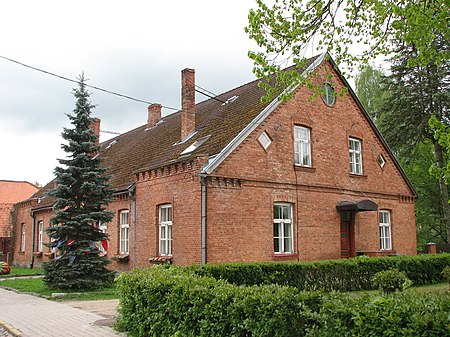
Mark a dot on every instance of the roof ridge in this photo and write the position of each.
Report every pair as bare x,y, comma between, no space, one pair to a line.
313,58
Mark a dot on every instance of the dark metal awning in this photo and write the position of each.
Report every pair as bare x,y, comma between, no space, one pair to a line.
357,206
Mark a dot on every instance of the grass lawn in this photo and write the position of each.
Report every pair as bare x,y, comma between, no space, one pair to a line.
37,286
20,271
438,289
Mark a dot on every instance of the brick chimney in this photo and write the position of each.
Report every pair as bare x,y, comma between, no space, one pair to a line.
154,115
95,127
187,102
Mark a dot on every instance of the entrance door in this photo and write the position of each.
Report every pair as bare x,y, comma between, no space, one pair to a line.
347,243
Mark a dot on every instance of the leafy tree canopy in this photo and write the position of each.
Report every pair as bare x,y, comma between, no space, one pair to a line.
354,31
371,90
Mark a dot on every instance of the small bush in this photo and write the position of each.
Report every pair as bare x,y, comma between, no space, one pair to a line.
389,281
332,275
446,274
172,302
4,268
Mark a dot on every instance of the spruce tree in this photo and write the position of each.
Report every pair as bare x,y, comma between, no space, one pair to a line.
82,193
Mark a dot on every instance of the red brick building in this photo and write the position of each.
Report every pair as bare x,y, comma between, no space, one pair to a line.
11,192
235,179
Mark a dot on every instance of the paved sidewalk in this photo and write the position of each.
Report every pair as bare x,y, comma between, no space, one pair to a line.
34,317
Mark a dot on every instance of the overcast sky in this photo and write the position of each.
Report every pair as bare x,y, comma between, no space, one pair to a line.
136,48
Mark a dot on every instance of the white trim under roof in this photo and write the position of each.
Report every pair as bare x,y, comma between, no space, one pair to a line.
230,147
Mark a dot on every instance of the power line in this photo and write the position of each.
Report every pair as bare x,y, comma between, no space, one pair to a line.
87,85
209,92
110,132
208,95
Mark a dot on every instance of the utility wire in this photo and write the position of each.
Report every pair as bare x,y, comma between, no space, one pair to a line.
209,92
110,132
210,96
87,85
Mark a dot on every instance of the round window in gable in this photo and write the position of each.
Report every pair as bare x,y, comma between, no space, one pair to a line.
328,94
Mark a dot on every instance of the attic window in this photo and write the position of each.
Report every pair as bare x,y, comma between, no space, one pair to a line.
189,136
230,100
381,161
328,94
264,140
111,144
195,145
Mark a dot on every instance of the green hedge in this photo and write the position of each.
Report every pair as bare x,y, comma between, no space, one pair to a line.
172,302
339,275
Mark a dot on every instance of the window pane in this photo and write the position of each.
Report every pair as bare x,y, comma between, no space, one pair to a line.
277,211
287,245
276,230
276,245
286,212
163,247
287,230
169,215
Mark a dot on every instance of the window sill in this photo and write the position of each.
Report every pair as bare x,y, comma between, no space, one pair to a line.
21,252
355,175
160,260
377,253
285,257
121,257
37,254
305,168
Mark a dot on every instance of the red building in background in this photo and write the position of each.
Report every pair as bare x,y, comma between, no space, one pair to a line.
11,192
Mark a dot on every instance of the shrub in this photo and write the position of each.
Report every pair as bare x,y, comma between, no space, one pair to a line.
389,281
169,302
446,274
172,302
333,275
4,268
399,314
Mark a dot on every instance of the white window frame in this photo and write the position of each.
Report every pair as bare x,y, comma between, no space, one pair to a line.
124,229
165,229
264,140
23,237
355,151
40,242
385,230
285,228
302,145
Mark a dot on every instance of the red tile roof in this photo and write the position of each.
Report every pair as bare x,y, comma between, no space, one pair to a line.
10,193
15,191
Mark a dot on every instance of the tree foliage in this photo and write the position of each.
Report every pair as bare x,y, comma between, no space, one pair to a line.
371,91
82,193
429,208
354,31
402,103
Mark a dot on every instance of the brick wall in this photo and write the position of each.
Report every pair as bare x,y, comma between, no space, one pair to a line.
179,186
24,258
239,219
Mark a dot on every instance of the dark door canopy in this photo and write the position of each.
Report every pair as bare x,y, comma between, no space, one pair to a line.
357,206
